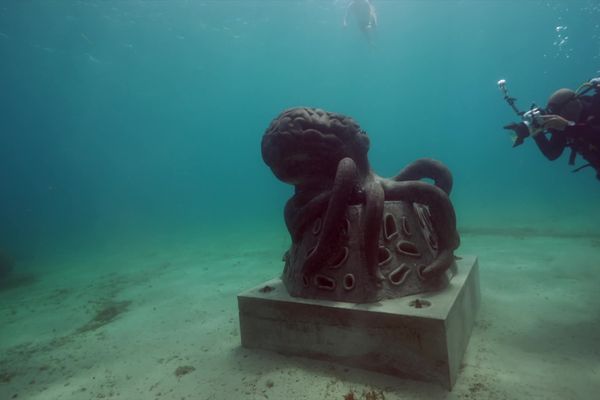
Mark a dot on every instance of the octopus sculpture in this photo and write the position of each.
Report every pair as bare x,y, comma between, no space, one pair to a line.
355,236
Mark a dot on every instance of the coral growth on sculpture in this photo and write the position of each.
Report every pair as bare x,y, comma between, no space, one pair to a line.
356,236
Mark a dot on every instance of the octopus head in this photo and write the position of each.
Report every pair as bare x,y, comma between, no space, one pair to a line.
303,146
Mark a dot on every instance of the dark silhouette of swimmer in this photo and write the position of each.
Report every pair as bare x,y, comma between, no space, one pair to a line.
364,15
570,120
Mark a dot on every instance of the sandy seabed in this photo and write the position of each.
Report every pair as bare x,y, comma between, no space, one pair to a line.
159,321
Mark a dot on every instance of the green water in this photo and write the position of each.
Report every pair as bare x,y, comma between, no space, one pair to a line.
126,121
136,204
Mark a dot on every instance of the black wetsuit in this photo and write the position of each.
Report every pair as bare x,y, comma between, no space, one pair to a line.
583,138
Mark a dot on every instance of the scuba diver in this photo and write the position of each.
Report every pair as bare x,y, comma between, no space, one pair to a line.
571,119
365,16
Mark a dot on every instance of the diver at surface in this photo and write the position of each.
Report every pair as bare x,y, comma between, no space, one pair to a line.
365,16
571,119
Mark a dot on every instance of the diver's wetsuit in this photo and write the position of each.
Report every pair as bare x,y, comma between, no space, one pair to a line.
583,138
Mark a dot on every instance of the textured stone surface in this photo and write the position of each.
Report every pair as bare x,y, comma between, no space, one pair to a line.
406,244
357,237
421,336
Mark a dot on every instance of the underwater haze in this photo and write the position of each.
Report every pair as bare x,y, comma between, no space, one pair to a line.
123,118
130,142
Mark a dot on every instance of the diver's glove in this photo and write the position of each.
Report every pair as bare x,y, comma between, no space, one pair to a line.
521,131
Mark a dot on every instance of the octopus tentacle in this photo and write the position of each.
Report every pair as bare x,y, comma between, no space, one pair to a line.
296,218
427,168
442,216
345,180
374,198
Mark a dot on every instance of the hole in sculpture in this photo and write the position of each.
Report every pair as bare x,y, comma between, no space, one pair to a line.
324,282
398,276
426,215
317,226
349,281
406,227
408,248
384,255
432,241
340,258
427,212
305,280
389,227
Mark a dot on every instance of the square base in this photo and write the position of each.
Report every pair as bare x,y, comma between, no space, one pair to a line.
423,339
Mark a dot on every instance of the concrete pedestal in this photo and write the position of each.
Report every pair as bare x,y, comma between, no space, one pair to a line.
420,337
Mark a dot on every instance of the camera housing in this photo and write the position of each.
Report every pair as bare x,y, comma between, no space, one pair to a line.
532,117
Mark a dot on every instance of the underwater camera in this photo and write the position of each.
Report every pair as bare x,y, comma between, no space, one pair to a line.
530,120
